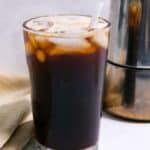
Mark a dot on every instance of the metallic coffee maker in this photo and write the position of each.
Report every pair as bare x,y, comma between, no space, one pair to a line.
127,84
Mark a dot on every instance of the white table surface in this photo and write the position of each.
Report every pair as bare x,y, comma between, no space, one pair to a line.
115,134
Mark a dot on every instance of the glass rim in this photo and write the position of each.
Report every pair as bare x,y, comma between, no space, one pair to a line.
65,35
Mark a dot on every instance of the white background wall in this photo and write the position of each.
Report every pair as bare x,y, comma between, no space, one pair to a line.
14,12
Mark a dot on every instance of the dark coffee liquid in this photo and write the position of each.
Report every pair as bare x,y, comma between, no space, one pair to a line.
66,99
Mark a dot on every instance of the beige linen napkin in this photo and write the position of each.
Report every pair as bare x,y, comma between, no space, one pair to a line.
14,112
20,138
12,88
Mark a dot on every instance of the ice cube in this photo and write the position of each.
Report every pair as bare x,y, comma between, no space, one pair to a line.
32,40
70,46
29,48
74,43
42,42
40,55
101,38
41,25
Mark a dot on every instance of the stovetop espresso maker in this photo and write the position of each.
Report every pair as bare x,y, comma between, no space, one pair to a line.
127,84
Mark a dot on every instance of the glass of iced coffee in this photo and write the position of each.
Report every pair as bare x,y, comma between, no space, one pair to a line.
66,61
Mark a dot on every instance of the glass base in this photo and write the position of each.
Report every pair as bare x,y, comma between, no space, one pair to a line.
41,147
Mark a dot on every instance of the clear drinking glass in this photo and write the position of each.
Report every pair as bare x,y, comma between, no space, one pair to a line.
66,62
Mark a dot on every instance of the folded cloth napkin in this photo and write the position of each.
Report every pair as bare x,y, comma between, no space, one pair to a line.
15,112
20,138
